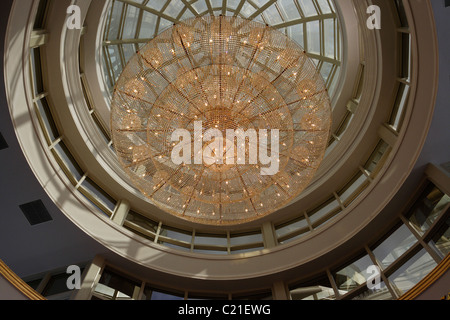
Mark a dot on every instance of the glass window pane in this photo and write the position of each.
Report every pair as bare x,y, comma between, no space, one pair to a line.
441,240
295,32
129,50
114,61
400,105
329,38
324,6
142,221
245,250
69,161
47,120
216,3
177,234
406,56
401,13
156,295
353,275
174,8
115,18
39,22
308,8
394,246
210,251
233,4
352,191
130,25
272,15
199,6
409,274
148,25
329,208
380,294
57,284
101,195
243,239
294,226
313,31
289,9
376,156
210,240
38,84
114,286
247,10
177,247
428,208
326,69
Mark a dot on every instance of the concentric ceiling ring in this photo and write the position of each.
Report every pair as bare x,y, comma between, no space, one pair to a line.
214,74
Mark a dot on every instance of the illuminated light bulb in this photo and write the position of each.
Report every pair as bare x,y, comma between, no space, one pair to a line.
152,57
306,88
259,36
135,89
182,35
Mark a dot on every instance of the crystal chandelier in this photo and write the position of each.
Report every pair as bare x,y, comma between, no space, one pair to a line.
220,73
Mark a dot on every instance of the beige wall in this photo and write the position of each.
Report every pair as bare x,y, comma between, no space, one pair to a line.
437,290
9,292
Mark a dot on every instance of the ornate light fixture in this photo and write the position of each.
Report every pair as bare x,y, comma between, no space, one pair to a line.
225,73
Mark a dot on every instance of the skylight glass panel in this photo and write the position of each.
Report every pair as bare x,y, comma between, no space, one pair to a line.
156,4
247,10
131,20
216,3
308,8
329,31
115,20
260,3
324,6
148,25
289,9
295,32
313,28
128,23
200,6
233,4
174,8
272,15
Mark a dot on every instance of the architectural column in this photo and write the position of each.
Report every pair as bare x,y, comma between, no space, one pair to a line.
121,212
269,235
280,291
91,278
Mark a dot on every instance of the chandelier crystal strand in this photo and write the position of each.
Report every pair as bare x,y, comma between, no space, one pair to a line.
226,73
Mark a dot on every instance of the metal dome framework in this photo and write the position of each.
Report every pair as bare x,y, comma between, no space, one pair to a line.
314,25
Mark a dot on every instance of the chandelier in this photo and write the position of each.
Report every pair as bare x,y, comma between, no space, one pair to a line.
188,89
